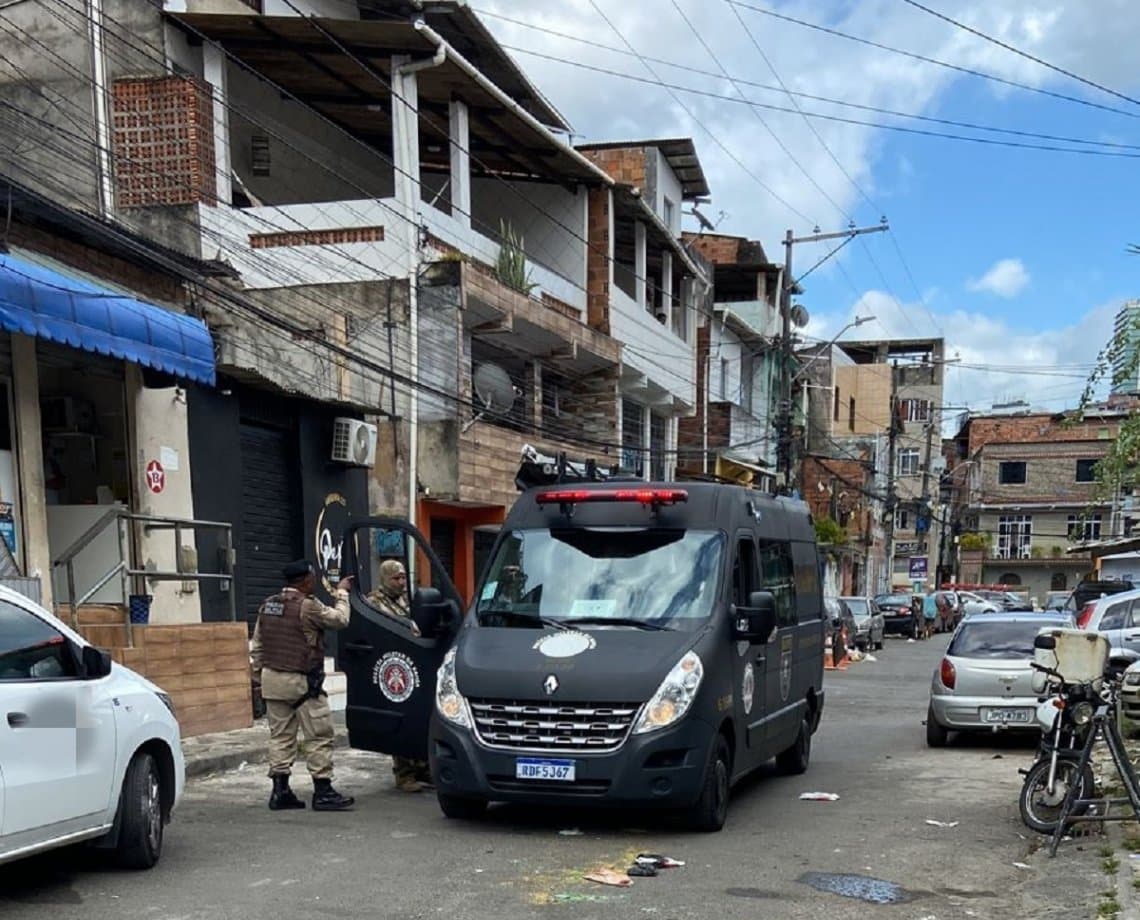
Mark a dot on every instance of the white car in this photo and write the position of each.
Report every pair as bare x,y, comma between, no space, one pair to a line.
89,750
974,603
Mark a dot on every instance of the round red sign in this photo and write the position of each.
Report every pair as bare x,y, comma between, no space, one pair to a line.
155,477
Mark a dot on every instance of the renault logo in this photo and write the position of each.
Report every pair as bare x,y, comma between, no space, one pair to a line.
550,685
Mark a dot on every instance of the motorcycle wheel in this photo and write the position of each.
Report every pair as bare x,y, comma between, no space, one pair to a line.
1040,811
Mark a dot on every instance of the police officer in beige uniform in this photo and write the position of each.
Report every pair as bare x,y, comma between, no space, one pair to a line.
288,664
392,597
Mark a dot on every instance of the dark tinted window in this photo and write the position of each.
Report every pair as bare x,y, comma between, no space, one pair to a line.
30,649
986,639
777,576
806,564
1086,470
1011,472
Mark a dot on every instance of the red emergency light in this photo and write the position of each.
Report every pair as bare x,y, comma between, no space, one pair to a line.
642,496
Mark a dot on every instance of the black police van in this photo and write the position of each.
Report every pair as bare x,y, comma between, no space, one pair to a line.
634,644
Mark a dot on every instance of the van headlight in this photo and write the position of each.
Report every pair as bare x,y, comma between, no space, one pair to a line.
448,700
674,697
1131,678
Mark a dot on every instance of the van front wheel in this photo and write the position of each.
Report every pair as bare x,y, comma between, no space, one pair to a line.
711,809
795,759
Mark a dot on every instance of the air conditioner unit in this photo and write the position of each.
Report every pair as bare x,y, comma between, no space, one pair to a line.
354,442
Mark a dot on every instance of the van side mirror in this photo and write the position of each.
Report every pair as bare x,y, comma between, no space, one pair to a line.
757,621
96,663
432,613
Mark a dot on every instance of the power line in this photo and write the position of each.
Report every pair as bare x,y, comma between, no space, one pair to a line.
929,60
776,137
1127,151
715,138
1020,53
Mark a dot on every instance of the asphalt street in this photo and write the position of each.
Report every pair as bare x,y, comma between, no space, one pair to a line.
227,856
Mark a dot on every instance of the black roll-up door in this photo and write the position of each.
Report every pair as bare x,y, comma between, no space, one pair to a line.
271,515
443,543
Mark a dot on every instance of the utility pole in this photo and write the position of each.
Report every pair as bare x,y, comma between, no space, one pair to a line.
924,511
892,434
785,461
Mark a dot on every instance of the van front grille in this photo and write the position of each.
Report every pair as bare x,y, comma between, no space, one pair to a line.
523,725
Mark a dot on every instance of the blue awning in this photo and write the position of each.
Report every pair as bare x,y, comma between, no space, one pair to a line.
41,302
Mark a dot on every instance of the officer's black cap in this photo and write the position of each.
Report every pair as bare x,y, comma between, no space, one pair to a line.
297,570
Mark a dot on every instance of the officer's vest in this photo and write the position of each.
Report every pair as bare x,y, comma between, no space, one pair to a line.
283,644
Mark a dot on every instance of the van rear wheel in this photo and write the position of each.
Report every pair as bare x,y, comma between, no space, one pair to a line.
711,809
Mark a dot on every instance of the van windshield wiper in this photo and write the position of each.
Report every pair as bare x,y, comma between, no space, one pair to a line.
620,621
529,618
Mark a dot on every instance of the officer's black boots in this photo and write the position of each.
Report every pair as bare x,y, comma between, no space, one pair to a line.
325,798
283,797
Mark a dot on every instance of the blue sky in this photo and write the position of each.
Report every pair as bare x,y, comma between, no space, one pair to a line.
1017,256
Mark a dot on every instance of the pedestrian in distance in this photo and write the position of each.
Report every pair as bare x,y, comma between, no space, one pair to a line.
929,614
391,597
288,668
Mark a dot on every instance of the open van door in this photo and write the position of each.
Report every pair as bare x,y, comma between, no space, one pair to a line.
389,669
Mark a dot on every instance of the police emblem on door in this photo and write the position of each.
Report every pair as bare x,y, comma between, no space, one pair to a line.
785,674
397,676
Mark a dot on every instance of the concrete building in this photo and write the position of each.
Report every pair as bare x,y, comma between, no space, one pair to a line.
1126,363
396,219
854,393
737,365
658,290
1030,494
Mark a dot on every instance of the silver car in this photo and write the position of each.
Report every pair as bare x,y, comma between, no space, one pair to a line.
869,622
984,681
1117,618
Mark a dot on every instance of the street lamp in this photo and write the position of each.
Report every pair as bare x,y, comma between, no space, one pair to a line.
858,321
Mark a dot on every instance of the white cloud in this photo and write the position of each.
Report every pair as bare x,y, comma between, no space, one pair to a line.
1006,278
989,359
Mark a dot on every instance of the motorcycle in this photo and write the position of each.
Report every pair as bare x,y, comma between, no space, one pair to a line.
1065,714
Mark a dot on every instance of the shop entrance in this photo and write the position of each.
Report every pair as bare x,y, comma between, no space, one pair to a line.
83,419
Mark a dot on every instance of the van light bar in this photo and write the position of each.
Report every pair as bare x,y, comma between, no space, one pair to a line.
642,496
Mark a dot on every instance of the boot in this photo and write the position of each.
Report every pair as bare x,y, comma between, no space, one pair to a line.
283,797
409,783
325,798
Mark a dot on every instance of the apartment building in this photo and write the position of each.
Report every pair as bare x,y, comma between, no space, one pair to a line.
737,365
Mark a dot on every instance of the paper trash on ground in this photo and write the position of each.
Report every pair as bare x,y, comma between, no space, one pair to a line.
609,877
819,796
934,823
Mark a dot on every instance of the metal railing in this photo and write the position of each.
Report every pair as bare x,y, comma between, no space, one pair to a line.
123,518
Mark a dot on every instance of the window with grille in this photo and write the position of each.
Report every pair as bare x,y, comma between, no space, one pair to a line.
1084,526
908,461
1015,536
658,425
914,410
632,432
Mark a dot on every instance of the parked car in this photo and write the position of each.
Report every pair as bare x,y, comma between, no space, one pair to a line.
120,794
1117,617
974,604
1055,600
1130,692
1091,590
984,681
898,614
949,611
871,627
840,618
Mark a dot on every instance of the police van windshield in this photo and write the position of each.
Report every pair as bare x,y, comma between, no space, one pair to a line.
613,576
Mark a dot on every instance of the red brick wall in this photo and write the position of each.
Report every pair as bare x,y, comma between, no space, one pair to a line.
846,476
1037,428
720,250
690,429
146,283
599,247
624,164
163,141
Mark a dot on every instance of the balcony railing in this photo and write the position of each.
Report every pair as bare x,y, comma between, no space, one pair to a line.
652,349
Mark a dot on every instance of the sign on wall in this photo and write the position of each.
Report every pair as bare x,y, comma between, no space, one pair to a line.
918,567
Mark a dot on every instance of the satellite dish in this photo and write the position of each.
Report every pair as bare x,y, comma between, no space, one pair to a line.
494,389
800,315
